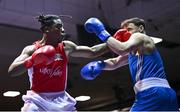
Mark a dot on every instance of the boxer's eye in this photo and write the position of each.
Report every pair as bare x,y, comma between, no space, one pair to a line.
58,26
129,29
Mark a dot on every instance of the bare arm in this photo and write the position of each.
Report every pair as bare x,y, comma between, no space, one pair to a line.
17,67
114,63
121,48
85,51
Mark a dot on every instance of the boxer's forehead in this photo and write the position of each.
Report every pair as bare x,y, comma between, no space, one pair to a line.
57,21
129,25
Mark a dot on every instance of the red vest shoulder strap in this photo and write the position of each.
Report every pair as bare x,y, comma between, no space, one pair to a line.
37,45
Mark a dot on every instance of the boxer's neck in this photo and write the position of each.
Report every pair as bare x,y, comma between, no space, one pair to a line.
50,40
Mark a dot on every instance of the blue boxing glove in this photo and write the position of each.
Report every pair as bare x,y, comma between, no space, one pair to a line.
92,70
93,25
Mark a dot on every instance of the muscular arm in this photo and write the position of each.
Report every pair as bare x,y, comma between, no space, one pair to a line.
85,51
121,48
17,67
114,63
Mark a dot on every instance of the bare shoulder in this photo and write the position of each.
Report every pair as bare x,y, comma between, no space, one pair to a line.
139,35
29,49
69,46
142,36
148,43
69,43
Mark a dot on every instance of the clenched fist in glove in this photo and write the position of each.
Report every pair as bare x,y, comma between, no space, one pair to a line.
44,55
122,35
93,25
92,70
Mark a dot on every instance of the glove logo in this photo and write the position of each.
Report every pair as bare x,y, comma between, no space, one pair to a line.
58,57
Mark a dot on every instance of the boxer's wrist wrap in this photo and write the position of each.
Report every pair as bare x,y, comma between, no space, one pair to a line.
104,35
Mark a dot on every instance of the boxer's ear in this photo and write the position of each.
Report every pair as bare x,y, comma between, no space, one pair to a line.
46,29
141,28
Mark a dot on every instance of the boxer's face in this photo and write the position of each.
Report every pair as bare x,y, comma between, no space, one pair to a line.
132,28
57,29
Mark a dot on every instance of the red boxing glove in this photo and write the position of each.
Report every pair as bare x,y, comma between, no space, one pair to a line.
44,55
122,35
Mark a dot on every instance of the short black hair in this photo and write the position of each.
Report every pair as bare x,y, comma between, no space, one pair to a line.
47,20
136,21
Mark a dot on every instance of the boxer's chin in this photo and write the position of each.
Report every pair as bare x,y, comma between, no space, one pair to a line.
63,35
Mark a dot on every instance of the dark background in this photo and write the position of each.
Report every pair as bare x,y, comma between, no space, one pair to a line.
112,90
